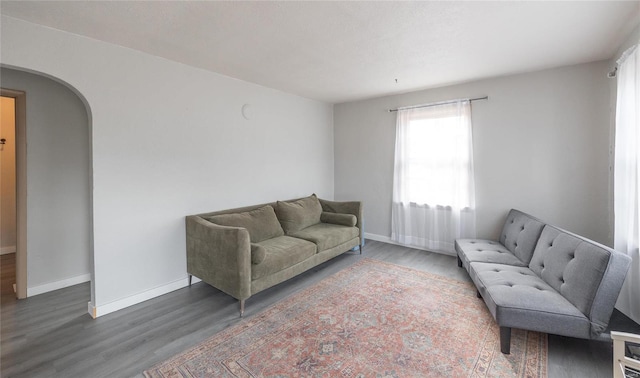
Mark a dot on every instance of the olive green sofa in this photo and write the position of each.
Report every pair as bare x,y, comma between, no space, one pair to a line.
246,250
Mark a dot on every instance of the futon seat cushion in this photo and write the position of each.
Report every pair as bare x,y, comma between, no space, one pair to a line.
518,298
280,253
480,250
517,242
326,235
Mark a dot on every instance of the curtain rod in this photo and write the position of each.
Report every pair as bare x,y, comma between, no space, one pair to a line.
613,73
439,103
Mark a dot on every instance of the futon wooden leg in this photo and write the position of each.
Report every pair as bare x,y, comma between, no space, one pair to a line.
459,262
505,340
242,307
190,277
478,294
361,247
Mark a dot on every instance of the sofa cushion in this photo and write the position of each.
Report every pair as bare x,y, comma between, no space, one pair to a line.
520,233
261,223
489,251
326,235
348,220
571,265
296,215
280,253
258,253
517,297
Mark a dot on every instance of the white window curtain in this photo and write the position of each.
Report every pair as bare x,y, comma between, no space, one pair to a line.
433,185
627,177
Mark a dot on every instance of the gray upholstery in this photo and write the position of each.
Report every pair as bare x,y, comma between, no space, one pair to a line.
588,274
520,234
486,251
571,266
517,297
569,287
515,247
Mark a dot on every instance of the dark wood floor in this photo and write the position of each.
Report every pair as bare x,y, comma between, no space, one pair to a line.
51,335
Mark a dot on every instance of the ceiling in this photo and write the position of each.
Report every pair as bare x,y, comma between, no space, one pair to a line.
345,51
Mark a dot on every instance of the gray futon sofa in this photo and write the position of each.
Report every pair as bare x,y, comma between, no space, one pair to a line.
246,250
541,278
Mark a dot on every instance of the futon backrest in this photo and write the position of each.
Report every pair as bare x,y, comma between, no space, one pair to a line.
587,274
520,234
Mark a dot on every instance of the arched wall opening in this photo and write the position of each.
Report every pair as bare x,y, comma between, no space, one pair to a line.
169,140
58,170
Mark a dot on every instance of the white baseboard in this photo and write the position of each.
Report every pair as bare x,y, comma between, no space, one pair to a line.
51,286
100,310
7,250
386,239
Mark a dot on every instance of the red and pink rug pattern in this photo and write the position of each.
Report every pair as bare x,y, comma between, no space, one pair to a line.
372,319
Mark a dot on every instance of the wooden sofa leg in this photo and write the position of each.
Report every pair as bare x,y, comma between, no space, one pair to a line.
190,277
478,294
459,262
361,247
505,340
242,307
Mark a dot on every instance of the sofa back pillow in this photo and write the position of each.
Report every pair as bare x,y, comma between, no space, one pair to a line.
261,223
297,215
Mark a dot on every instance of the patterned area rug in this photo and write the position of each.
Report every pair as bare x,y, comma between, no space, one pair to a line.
373,319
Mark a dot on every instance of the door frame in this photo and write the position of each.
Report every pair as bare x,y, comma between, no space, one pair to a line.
21,188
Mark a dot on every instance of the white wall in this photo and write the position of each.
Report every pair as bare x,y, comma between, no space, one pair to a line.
540,145
169,140
632,39
58,204
8,176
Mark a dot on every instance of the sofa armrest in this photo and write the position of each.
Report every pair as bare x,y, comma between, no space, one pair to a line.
608,292
346,207
220,256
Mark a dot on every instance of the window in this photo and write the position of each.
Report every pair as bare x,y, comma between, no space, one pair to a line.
433,191
436,160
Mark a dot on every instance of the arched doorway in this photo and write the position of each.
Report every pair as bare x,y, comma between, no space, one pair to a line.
13,189
54,224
